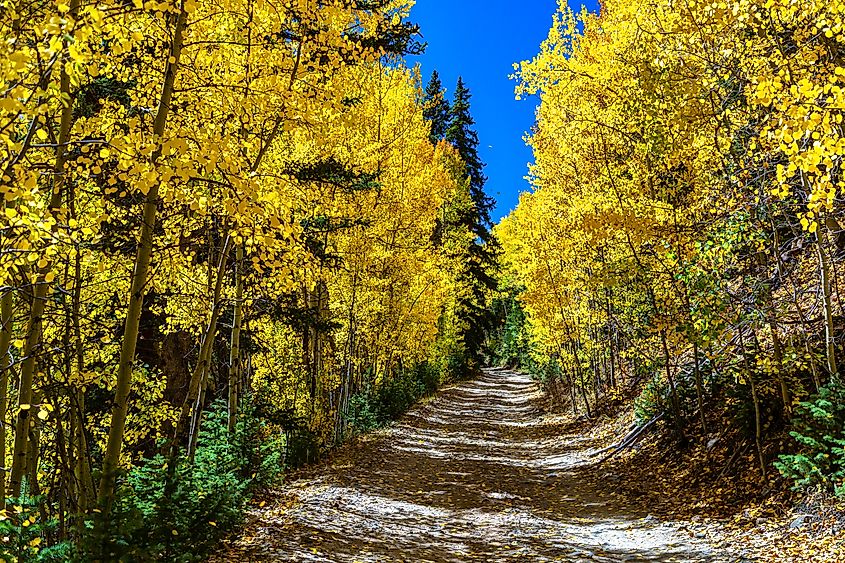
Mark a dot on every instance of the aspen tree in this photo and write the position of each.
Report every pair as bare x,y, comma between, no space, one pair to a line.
123,387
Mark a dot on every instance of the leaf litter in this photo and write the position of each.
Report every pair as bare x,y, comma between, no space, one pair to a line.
480,473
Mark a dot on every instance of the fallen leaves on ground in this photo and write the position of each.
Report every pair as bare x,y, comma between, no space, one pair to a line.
482,473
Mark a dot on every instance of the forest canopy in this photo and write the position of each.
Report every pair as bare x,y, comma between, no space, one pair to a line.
225,247
685,227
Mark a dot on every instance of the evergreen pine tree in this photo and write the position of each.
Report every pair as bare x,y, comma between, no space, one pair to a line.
436,108
462,136
466,223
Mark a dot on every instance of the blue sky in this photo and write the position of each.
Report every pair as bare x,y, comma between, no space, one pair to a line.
480,40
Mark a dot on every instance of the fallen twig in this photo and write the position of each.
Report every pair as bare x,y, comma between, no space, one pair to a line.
632,438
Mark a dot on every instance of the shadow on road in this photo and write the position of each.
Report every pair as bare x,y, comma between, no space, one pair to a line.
479,474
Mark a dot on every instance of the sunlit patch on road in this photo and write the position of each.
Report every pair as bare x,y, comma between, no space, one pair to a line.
479,474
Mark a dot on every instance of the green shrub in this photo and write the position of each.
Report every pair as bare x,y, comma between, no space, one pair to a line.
363,414
374,407
457,365
180,514
428,376
258,442
513,349
819,430
303,446
22,534
651,400
655,396
546,371
396,395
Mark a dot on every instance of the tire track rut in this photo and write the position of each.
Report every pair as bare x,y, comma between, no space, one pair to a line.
477,474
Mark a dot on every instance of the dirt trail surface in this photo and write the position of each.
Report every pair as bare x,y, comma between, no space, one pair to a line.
477,474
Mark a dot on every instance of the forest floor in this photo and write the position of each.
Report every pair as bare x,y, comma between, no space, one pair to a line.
479,473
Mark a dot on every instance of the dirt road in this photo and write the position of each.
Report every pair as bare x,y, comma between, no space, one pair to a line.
477,474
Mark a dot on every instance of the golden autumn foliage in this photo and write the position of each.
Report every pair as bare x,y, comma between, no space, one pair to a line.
204,199
686,211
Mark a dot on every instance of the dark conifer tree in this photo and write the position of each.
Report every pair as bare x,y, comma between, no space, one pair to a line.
461,134
469,212
437,110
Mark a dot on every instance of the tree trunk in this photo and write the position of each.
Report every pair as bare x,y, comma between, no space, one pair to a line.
33,453
777,356
777,347
39,297
755,397
570,376
758,427
824,278
6,308
582,381
699,386
196,418
25,387
201,370
82,461
123,386
673,391
235,353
